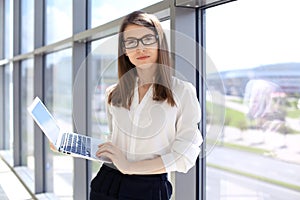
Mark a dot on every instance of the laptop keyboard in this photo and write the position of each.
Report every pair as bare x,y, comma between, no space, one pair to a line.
77,144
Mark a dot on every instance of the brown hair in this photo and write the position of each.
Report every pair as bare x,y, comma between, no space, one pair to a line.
122,94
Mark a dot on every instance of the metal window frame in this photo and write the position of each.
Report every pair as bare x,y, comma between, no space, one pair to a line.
2,29
201,77
200,4
89,35
2,133
19,147
2,66
17,141
184,21
42,176
82,167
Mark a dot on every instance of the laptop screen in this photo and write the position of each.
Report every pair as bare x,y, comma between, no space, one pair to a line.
45,121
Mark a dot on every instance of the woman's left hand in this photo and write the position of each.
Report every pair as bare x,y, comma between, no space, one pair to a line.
115,155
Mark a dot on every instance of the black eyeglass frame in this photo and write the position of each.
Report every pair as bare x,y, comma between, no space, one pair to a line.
140,40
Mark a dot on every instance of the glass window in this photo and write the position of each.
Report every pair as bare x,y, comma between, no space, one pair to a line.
8,109
58,99
103,64
58,18
8,26
105,11
255,47
166,25
27,25
27,136
2,108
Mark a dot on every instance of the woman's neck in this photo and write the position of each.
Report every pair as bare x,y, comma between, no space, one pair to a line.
146,76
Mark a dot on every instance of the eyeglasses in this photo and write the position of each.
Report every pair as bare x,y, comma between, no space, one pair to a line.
146,40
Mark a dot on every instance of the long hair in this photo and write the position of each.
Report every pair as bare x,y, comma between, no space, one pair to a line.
122,94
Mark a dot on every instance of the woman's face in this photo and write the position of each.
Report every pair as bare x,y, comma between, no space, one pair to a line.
142,55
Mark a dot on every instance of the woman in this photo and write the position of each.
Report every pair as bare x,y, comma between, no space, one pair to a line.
153,118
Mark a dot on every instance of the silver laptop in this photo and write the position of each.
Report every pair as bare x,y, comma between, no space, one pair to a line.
69,143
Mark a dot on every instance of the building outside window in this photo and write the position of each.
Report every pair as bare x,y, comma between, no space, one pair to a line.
254,46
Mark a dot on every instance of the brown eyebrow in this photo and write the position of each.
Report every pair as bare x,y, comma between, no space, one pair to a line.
139,38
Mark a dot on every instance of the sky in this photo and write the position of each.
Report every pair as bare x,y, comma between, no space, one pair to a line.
241,34
251,33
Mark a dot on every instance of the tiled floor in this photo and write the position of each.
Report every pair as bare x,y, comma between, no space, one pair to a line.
10,187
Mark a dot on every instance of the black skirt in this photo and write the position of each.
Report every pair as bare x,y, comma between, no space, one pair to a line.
111,184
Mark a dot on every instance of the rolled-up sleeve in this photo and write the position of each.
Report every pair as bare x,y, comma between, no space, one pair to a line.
186,146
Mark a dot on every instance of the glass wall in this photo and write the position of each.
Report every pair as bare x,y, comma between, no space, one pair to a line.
58,19
2,135
58,99
254,45
27,136
8,109
252,88
8,27
105,11
53,82
102,62
27,25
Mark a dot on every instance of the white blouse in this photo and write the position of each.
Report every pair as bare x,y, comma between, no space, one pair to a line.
151,128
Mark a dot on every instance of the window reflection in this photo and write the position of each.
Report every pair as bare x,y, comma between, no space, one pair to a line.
58,18
265,102
253,49
58,99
